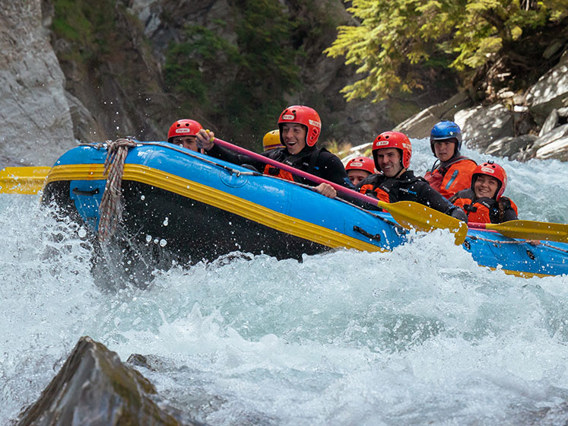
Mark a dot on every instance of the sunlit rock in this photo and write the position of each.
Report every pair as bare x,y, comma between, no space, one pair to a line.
481,126
554,119
95,387
553,144
420,125
550,92
510,146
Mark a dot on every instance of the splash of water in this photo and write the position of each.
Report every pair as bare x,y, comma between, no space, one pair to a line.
419,335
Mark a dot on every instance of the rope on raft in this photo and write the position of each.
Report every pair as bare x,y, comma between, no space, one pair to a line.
111,204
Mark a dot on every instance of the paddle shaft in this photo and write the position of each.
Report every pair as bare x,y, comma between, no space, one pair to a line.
300,173
527,230
409,214
477,225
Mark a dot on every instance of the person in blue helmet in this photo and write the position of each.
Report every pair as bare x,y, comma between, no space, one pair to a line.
451,171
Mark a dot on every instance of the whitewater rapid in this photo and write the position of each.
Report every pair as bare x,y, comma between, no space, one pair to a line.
422,335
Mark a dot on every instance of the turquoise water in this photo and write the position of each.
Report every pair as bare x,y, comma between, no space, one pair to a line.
421,335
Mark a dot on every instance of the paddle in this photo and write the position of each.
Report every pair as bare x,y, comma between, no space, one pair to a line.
409,214
528,230
22,180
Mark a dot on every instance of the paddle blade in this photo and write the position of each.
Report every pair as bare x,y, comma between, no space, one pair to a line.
22,180
532,230
423,218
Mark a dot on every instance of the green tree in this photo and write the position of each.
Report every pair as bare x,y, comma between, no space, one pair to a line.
393,39
240,83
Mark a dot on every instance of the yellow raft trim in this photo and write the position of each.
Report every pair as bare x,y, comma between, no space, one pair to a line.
219,199
22,180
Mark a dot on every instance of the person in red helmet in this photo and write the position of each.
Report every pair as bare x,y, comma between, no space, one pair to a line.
300,128
392,152
484,202
451,171
184,133
359,168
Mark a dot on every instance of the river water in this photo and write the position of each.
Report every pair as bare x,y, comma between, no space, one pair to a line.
421,335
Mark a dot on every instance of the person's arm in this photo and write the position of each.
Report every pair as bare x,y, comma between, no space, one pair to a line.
204,140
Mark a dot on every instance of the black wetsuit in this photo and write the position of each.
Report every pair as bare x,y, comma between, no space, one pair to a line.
408,187
317,161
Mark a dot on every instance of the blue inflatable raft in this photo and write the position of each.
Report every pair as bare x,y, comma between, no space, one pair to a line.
195,207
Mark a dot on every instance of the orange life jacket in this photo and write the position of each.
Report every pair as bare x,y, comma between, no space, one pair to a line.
380,193
482,210
453,177
275,171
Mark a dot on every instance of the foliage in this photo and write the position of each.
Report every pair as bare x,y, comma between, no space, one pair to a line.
261,65
395,38
87,28
183,61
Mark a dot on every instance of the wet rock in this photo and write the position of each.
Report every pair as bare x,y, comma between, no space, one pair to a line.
482,126
550,92
556,118
550,123
420,125
511,146
553,144
95,387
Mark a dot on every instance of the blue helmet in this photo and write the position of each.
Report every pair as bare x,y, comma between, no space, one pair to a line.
446,130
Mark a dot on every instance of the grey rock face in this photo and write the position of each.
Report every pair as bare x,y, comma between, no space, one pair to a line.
482,126
511,147
550,92
553,144
35,117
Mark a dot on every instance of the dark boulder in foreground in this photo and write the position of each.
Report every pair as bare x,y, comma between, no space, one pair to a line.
95,387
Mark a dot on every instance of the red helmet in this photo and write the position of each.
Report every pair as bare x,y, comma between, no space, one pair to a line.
302,115
184,128
361,163
495,171
394,140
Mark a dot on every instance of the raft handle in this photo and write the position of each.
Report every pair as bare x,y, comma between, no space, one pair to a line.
360,230
78,191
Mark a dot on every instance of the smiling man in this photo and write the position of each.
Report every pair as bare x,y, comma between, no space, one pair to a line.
392,152
300,128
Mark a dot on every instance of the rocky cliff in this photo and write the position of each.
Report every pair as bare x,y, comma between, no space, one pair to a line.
73,73
60,87
34,109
